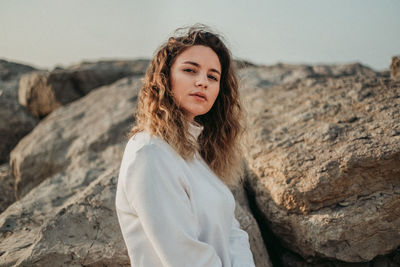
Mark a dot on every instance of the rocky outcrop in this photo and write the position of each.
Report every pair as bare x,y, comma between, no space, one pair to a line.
84,231
15,120
43,92
395,68
78,149
66,171
254,77
249,224
11,70
7,196
86,127
324,155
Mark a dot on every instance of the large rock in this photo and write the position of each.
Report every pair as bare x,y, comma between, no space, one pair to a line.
15,120
324,154
249,224
11,70
86,126
83,232
253,77
7,196
42,92
395,68
84,142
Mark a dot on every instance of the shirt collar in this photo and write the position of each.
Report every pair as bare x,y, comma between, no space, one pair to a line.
195,129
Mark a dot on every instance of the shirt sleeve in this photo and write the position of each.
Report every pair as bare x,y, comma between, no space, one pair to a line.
239,249
157,194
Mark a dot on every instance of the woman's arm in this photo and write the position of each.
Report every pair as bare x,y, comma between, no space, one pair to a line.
157,194
239,248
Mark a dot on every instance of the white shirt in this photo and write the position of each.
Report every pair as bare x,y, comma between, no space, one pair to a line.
176,213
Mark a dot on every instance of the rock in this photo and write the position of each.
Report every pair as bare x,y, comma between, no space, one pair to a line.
84,231
89,75
7,196
391,260
326,164
395,68
241,64
43,92
11,70
76,153
86,126
249,224
15,120
253,77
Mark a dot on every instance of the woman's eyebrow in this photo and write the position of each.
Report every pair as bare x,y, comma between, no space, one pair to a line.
198,65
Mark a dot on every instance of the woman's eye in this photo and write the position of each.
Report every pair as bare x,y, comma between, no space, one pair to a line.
188,70
212,77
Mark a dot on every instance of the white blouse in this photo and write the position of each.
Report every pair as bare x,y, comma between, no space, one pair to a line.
176,213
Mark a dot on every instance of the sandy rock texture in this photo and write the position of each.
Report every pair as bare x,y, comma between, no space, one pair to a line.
253,77
42,92
81,129
324,160
75,171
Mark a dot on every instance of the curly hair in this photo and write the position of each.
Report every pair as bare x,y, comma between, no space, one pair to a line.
158,114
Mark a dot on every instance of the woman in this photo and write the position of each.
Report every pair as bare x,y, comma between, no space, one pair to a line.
173,203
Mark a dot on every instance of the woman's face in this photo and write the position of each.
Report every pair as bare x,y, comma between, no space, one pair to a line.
195,79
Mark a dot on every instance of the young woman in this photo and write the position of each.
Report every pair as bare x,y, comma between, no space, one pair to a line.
173,202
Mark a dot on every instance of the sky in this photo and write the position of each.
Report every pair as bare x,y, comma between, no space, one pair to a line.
50,33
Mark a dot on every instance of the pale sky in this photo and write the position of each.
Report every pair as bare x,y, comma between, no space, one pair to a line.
46,33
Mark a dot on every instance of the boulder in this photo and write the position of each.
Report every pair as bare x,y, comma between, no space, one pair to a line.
12,70
77,151
44,91
395,68
15,120
253,77
324,153
7,196
86,127
248,223
84,231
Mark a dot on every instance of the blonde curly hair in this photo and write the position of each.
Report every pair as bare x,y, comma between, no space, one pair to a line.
158,114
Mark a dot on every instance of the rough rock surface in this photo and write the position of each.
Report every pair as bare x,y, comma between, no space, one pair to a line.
7,196
249,224
255,77
85,140
324,154
83,232
11,70
66,171
15,120
42,92
82,128
395,68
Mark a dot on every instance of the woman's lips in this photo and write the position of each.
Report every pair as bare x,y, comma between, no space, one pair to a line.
199,96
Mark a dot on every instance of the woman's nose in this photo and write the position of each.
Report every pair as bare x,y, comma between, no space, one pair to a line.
202,81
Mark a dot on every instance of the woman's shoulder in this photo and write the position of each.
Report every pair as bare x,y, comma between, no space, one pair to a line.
150,154
146,144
